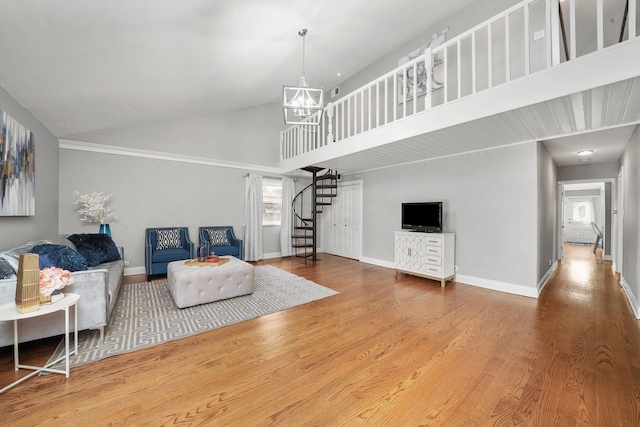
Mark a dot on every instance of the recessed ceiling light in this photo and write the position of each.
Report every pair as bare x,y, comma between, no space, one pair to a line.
585,159
338,74
585,152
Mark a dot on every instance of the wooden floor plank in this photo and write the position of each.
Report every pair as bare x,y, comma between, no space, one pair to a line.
385,351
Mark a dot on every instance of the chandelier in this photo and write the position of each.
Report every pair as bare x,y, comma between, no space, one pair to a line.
300,103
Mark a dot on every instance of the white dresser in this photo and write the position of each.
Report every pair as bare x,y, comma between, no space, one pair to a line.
429,255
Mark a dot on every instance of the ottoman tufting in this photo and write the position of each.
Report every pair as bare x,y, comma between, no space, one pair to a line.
192,285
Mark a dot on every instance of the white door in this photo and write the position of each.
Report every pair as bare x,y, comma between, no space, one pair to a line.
579,213
343,222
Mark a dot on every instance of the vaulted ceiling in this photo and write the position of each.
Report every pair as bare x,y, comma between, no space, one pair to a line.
87,66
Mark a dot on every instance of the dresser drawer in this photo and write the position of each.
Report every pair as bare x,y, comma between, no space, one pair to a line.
433,241
433,270
433,260
433,250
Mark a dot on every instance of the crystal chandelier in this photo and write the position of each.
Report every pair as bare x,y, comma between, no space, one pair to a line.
300,103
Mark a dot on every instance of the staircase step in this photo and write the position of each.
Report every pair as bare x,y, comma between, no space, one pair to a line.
302,236
302,245
326,195
326,186
323,203
303,227
326,176
313,169
308,219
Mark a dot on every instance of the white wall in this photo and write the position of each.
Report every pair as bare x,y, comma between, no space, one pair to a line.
250,135
631,242
15,230
152,192
547,209
490,202
590,171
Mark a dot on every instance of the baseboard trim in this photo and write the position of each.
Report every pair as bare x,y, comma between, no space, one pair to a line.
547,276
472,281
130,271
495,285
377,262
272,255
635,306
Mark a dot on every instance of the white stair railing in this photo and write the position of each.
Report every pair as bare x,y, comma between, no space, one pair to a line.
522,40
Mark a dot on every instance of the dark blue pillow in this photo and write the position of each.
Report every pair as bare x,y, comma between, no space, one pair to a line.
59,256
96,248
6,271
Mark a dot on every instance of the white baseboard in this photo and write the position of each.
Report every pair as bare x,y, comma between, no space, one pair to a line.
547,276
495,285
378,262
130,271
635,306
271,255
472,281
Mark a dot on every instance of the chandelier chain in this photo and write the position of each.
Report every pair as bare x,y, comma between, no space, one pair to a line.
303,33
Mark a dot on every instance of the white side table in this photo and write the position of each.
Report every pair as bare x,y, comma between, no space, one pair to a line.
8,312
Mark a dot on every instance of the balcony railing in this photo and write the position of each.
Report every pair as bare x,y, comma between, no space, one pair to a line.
530,37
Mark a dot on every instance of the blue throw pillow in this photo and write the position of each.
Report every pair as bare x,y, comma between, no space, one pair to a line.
6,271
96,248
59,256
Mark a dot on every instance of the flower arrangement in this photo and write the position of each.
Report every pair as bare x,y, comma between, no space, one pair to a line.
93,207
52,279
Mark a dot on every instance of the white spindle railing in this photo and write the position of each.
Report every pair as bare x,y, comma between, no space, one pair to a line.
518,53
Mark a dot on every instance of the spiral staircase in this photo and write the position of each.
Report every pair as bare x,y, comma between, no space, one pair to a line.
307,204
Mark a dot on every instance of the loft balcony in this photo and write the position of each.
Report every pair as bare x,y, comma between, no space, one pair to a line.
533,72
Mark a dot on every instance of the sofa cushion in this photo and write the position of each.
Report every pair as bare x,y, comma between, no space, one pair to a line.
218,237
225,250
96,248
59,256
168,255
6,271
12,256
168,239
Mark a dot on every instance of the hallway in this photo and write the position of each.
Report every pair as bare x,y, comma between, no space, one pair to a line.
596,336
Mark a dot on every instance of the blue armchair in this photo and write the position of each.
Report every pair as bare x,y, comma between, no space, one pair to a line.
166,244
221,240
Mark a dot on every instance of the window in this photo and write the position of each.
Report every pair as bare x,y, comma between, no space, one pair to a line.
271,201
582,213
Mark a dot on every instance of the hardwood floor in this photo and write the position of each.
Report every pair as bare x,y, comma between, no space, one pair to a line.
385,351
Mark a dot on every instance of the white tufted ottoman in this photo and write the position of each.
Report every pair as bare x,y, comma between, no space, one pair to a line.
193,285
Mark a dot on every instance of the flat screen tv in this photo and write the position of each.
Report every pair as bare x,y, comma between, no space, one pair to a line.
422,216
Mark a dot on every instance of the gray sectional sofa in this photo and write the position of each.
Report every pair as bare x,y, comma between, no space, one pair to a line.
98,287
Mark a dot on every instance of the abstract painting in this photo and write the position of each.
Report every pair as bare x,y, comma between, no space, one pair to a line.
17,168
405,79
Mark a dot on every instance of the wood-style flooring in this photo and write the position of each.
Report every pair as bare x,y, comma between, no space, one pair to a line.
386,351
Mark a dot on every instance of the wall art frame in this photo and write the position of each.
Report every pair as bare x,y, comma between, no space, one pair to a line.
17,168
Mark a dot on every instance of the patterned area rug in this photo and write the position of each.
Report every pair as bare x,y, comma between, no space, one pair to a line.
146,315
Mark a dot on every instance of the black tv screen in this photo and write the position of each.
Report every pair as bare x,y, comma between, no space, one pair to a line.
422,216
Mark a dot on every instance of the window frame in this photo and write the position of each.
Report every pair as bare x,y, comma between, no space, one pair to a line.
269,182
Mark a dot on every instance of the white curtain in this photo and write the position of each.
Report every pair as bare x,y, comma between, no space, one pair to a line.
286,224
253,219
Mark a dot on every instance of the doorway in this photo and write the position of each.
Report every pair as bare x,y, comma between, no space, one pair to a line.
580,212
342,222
